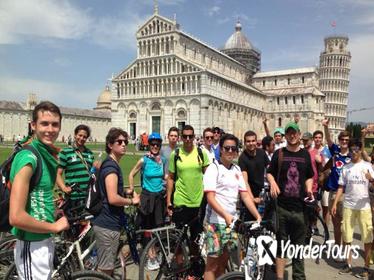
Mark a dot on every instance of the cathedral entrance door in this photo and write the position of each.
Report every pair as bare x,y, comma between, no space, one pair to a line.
156,124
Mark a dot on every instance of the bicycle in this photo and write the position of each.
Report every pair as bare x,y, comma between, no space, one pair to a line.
250,268
171,246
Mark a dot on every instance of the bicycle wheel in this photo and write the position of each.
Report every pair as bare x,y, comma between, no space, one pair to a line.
89,275
232,276
168,259
11,273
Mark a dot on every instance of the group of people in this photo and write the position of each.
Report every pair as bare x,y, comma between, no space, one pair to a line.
199,185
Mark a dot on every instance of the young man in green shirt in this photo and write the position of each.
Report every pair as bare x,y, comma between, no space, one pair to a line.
32,213
188,191
76,161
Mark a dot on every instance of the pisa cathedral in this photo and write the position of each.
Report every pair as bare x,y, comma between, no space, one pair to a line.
177,79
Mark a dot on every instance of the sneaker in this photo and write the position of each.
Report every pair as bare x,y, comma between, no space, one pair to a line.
347,269
152,264
340,260
364,274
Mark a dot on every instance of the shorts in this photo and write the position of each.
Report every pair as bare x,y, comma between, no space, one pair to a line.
325,199
34,259
107,242
186,215
339,206
219,238
364,221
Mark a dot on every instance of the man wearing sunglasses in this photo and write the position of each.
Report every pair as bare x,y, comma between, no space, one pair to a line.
185,184
340,157
253,162
217,132
356,179
208,136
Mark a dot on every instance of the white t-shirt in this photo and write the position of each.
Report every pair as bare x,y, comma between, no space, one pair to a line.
226,183
210,153
277,146
356,185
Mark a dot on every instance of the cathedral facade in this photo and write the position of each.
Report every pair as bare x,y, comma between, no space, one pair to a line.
177,79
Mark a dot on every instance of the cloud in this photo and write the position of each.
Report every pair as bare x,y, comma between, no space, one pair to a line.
214,11
24,19
61,94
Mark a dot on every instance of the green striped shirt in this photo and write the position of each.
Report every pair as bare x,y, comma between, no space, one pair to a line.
75,170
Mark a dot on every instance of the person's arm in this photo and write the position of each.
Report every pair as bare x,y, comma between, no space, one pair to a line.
132,174
111,186
60,181
249,203
267,131
337,198
245,177
274,188
325,124
169,191
18,217
365,155
309,187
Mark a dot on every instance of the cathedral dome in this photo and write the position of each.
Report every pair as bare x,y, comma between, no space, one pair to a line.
238,40
104,100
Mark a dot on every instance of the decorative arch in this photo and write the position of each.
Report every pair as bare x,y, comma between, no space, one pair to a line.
194,102
156,106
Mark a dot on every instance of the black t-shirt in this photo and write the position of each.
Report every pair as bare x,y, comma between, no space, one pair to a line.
110,217
295,170
255,167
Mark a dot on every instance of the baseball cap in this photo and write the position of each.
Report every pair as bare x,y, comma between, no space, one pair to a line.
279,130
292,125
307,136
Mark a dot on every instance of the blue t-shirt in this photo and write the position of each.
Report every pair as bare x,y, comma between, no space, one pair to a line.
111,217
339,161
153,174
216,151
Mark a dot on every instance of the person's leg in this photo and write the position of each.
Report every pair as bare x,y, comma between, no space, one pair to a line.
34,260
297,236
282,234
325,207
222,263
107,242
348,224
212,264
337,219
366,229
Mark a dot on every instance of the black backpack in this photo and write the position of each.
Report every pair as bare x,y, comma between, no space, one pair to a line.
94,202
5,185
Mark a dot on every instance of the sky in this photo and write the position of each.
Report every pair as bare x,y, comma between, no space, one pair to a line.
65,51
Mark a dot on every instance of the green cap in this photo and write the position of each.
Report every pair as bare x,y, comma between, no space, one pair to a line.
279,130
307,136
292,125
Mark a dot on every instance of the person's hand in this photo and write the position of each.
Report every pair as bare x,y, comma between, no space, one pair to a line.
309,194
169,208
325,122
333,210
66,189
274,190
130,191
296,118
228,219
257,200
364,131
264,120
61,224
135,198
368,175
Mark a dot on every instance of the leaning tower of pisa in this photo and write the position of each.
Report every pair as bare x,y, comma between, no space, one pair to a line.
334,80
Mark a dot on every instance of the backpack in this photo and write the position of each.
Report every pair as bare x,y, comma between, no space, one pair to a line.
177,157
94,202
5,184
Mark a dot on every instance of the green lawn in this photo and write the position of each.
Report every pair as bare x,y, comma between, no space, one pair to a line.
127,162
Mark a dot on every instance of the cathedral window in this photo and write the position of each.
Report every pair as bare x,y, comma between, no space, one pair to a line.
293,99
263,83
288,81
302,99
280,122
302,79
277,100
275,82
285,100
185,49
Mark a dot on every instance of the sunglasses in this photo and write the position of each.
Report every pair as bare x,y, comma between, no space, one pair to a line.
344,140
230,148
209,137
157,144
185,137
121,141
217,132
355,149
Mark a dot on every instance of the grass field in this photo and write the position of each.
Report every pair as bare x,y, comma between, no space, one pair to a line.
127,162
